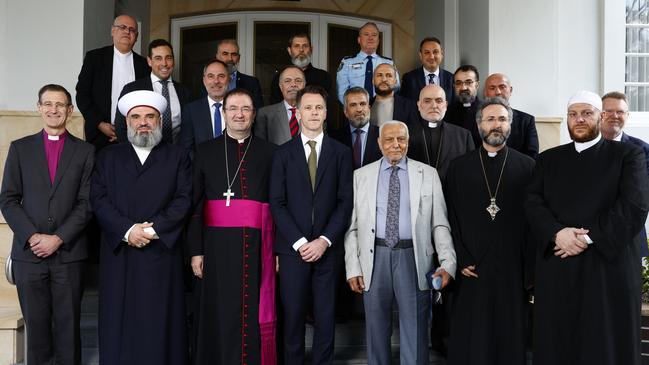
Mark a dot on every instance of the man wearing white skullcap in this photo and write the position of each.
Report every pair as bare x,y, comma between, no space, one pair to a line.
141,194
586,206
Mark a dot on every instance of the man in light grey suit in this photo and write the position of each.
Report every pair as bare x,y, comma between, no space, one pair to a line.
278,123
398,207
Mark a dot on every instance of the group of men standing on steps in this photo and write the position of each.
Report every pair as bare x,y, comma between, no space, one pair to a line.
409,192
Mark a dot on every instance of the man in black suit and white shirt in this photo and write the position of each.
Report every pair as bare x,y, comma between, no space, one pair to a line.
431,55
161,60
227,51
44,199
104,73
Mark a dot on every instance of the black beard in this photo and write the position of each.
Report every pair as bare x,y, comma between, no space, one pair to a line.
383,92
465,97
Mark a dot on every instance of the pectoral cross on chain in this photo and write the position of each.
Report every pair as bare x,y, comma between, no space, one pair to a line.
228,194
493,209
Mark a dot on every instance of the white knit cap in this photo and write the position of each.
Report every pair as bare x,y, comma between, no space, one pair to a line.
586,97
141,98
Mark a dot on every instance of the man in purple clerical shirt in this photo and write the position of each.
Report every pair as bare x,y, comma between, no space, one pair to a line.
44,199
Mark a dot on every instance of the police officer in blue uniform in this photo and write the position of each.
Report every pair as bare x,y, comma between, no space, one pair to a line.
358,70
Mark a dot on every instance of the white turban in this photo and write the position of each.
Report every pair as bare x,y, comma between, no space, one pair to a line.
586,97
141,98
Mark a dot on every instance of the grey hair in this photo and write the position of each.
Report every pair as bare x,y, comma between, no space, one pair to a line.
356,90
394,122
494,101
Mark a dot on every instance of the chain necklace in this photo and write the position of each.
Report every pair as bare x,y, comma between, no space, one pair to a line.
228,194
493,209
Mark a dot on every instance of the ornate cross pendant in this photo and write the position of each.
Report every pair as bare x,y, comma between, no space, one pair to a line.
228,194
493,209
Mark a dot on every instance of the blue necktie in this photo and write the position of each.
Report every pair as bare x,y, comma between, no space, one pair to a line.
431,79
233,82
369,72
217,120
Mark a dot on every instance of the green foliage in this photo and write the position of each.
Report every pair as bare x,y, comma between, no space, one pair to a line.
645,277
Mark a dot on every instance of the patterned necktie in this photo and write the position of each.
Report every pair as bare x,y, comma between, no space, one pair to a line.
313,163
369,72
431,79
218,130
292,123
392,219
233,82
357,148
166,115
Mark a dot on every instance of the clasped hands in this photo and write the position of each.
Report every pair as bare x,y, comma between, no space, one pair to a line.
138,237
44,245
313,251
570,242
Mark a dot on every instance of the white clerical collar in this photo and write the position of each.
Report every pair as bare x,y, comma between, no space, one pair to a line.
120,54
618,137
582,146
433,124
155,78
53,138
142,152
238,140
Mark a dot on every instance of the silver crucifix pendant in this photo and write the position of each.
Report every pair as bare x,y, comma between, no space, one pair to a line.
493,209
227,196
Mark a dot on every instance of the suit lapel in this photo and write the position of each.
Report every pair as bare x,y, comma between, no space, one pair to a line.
41,158
205,120
323,161
372,187
69,147
421,80
285,131
298,155
415,179
371,145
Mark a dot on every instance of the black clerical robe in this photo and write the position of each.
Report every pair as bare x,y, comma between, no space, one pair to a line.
227,314
141,294
488,313
587,307
464,116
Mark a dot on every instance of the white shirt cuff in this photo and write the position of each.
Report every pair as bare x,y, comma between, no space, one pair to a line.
326,239
125,239
299,243
590,242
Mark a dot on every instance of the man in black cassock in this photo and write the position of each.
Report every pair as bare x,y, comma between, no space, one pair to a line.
141,195
230,242
587,202
488,313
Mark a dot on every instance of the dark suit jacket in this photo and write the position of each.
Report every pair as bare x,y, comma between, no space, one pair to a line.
414,80
523,137
372,151
313,76
196,125
251,84
456,141
299,211
144,84
642,241
405,110
94,90
32,204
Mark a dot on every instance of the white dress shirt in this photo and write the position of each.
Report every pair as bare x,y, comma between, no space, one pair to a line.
123,73
211,102
426,73
173,100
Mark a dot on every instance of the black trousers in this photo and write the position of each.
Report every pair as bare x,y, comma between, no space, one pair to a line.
50,300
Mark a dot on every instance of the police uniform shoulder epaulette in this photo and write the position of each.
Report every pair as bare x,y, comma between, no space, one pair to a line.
348,57
387,58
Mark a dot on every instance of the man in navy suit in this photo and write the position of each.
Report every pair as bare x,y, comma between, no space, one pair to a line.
227,50
45,201
523,137
310,198
388,105
104,73
203,119
615,112
431,55
161,61
358,134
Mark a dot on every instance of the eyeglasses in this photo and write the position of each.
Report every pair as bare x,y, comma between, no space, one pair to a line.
618,113
243,109
585,114
50,105
125,29
494,119
466,83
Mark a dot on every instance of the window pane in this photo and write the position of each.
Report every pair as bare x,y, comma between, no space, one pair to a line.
637,40
198,47
637,12
638,97
637,69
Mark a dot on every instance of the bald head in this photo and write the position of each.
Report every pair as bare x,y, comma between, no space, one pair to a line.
124,33
432,103
498,85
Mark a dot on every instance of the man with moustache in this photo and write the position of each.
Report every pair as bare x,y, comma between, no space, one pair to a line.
203,118
463,110
45,201
358,134
586,205
300,50
399,220
141,195
359,70
104,73
161,60
230,242
431,56
433,140
485,191
227,51
523,137
614,115
278,123
387,105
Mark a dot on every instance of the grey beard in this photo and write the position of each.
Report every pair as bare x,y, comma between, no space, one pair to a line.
145,140
301,62
494,140
232,68
359,123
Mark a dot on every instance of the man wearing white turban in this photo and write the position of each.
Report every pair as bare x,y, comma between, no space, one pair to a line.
586,205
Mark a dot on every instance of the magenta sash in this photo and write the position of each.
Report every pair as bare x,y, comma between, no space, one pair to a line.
253,214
